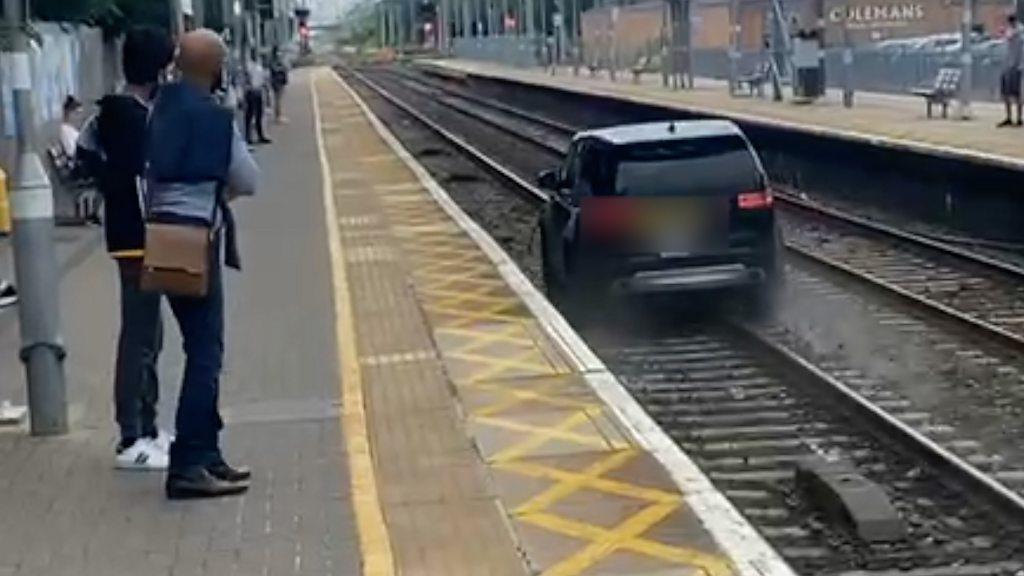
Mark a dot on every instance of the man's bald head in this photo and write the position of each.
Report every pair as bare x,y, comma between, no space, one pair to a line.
201,55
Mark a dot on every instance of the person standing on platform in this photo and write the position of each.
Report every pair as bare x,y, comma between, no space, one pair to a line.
255,88
111,148
278,82
192,175
1010,80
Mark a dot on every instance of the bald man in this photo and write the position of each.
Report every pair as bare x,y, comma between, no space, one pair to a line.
198,162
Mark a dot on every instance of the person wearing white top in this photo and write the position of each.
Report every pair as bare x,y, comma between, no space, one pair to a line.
68,131
255,87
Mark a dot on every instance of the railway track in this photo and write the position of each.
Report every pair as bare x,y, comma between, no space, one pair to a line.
747,408
976,289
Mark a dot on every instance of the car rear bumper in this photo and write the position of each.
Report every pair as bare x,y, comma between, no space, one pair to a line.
714,277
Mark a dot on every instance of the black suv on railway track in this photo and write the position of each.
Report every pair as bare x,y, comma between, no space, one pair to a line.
660,208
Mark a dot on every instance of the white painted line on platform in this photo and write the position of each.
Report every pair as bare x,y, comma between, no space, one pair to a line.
750,553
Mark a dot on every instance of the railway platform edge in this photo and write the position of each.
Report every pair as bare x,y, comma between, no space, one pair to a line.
483,409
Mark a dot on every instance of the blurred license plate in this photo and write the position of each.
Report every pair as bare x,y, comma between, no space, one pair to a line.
682,225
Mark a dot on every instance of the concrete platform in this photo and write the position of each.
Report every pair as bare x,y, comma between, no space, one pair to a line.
410,404
884,120
64,510
484,408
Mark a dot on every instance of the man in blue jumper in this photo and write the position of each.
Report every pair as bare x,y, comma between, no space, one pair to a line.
197,163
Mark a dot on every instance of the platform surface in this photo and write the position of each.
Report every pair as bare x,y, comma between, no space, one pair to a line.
64,510
888,120
477,414
409,403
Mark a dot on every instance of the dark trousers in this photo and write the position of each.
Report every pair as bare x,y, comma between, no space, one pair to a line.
254,114
198,422
136,384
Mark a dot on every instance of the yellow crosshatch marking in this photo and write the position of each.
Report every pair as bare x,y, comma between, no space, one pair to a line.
598,542
532,417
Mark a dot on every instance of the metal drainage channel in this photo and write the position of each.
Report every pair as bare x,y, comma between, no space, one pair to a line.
748,409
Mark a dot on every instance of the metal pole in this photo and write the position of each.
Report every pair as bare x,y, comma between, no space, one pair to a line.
687,28
560,26
966,60
529,15
444,29
574,38
613,33
177,18
198,13
734,44
35,256
381,26
847,64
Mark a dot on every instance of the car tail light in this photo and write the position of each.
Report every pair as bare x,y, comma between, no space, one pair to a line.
607,218
759,200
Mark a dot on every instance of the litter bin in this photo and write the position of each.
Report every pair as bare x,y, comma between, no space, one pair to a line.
5,205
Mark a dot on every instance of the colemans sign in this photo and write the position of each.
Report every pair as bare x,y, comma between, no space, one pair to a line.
870,16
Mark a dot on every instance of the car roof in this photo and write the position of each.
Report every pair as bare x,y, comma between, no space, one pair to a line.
662,131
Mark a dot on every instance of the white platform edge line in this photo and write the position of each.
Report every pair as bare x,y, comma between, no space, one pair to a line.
737,538
916,146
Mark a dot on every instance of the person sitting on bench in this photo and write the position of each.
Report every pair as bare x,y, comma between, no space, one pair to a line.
69,126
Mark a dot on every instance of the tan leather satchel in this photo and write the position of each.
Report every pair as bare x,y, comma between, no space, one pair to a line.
176,261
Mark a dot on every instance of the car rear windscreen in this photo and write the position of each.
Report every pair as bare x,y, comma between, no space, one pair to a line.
711,166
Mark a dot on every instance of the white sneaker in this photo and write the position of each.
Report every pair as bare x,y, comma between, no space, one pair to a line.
144,454
163,440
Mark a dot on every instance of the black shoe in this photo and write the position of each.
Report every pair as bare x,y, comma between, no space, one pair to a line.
266,141
1005,123
1018,124
8,295
199,483
227,473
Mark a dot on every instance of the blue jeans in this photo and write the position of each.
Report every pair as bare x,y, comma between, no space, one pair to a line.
198,420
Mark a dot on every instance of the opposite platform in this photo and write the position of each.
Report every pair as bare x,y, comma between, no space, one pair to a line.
883,120
496,442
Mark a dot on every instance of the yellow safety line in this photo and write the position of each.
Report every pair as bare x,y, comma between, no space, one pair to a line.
374,542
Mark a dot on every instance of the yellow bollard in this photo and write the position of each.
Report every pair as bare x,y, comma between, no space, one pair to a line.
5,205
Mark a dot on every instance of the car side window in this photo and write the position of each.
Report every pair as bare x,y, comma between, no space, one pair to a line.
571,168
592,170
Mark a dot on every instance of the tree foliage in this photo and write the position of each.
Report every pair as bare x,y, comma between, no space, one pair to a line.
112,15
360,23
